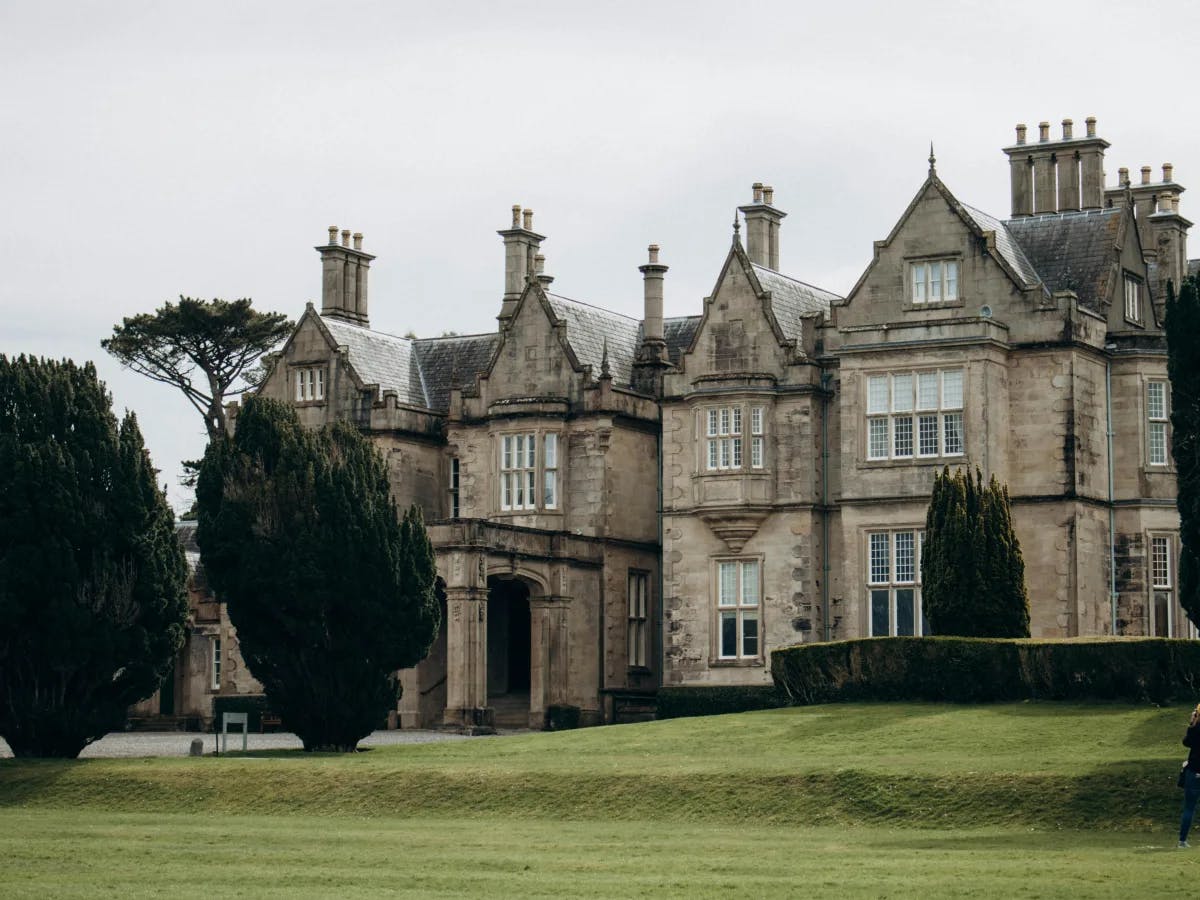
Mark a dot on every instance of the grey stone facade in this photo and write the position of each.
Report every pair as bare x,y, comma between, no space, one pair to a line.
619,504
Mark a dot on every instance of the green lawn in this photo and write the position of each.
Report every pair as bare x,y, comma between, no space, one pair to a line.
1040,800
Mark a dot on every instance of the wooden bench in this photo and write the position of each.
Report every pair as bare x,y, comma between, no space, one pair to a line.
269,720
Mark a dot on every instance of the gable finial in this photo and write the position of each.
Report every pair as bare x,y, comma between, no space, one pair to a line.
605,372
932,160
736,228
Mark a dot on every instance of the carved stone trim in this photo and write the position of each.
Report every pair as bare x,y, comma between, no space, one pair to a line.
734,526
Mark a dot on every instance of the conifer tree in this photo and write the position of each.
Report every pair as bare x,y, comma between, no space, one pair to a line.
92,602
972,571
330,592
1183,367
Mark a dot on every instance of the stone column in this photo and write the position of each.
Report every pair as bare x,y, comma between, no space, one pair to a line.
548,656
466,659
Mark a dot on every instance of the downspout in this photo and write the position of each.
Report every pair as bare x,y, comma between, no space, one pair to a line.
660,636
826,379
1112,516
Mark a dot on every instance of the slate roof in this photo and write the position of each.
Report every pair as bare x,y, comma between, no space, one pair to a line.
792,300
452,362
1006,244
1071,251
588,327
678,334
382,359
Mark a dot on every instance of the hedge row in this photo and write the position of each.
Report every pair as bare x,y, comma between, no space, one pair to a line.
714,700
971,670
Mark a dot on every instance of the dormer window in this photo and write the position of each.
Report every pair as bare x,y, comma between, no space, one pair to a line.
310,384
934,280
1133,299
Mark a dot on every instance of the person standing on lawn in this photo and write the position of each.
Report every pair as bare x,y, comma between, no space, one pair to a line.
1191,777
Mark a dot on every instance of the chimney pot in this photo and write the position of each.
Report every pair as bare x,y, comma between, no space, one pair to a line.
1122,176
1091,126
332,235
358,240
539,264
1068,130
1168,171
1145,174
516,215
758,191
1043,131
1166,202
653,248
345,237
527,215
768,195
1021,132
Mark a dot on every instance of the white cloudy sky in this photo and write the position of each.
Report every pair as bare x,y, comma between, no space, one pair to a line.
153,149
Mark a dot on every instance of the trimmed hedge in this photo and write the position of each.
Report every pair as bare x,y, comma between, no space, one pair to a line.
715,700
973,670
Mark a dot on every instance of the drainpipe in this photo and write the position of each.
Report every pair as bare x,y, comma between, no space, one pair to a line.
660,638
1112,515
826,380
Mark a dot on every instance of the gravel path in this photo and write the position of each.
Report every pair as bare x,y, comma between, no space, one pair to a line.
177,743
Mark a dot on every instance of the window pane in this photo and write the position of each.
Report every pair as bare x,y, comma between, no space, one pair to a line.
1157,395
530,494
729,634
725,421
737,452
531,451
935,281
549,496
756,420
928,435
918,283
902,393
952,389
880,561
1158,443
551,455
299,384
712,421
737,421
506,453
750,583
905,611
1160,562
727,584
927,390
749,634
712,454
877,440
879,614
905,557
952,434
725,453
506,491
902,436
877,394
952,280
756,452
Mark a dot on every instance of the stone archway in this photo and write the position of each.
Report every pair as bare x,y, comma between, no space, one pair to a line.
509,649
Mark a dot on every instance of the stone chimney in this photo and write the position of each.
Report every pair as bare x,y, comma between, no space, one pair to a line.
520,259
762,227
1056,175
539,272
344,270
1164,235
653,344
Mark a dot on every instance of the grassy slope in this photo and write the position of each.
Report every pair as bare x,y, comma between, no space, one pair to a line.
1014,800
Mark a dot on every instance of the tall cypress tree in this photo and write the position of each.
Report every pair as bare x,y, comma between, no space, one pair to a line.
92,601
1183,367
330,592
972,572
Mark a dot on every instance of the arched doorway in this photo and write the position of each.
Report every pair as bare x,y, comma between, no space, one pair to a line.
508,652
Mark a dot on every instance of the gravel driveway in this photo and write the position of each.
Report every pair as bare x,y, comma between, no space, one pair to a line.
177,743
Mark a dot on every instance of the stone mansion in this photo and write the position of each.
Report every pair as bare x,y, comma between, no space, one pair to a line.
618,504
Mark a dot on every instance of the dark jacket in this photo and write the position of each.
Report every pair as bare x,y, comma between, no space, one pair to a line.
1192,741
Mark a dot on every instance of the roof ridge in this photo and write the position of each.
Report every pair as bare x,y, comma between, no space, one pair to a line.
340,324
456,337
807,284
602,309
1063,214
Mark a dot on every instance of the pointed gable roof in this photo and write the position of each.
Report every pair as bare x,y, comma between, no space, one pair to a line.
588,328
382,359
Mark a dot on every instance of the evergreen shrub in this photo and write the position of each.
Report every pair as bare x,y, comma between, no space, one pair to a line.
978,670
679,702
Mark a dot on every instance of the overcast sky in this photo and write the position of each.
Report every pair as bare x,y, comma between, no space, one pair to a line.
153,149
